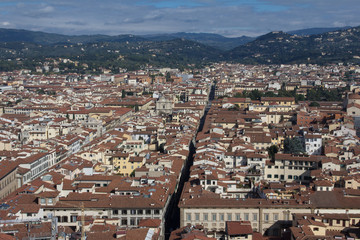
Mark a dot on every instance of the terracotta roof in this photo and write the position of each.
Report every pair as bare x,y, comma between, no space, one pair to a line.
238,228
150,223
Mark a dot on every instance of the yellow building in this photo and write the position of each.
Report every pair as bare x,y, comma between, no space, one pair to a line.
287,101
124,164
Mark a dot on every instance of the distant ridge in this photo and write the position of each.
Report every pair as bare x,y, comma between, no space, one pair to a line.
313,31
15,35
210,39
280,47
177,50
213,40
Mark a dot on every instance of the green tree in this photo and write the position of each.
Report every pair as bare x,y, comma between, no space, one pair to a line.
314,104
168,77
255,94
293,145
272,150
269,94
299,97
123,93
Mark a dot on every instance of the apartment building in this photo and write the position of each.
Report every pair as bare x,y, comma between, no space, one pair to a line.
287,167
7,178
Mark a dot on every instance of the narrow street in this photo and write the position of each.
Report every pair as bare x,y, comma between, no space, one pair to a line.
172,221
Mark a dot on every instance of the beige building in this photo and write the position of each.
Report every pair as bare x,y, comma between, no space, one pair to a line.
269,217
290,168
7,178
266,216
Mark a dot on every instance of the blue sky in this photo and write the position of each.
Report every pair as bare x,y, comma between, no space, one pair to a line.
227,17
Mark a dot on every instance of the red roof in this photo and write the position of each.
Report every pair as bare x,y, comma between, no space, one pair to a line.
238,228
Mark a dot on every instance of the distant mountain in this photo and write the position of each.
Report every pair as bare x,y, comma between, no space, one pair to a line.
210,39
15,35
26,48
313,31
213,40
179,53
280,47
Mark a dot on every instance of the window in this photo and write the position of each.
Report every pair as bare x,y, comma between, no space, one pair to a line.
156,211
188,216
276,176
197,217
246,216
286,216
229,217
266,217
140,211
276,216
238,217
115,212
124,212
255,216
132,212
289,176
214,216
148,212
133,221
124,222
42,200
269,176
205,216
50,200
221,217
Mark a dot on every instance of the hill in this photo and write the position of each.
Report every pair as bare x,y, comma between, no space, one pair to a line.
280,47
213,40
25,49
178,53
314,31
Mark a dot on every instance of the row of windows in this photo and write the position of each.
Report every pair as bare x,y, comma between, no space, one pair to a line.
136,212
300,163
7,181
289,177
299,168
40,169
219,217
276,167
43,200
231,217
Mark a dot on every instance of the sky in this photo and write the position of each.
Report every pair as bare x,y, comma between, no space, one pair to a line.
231,18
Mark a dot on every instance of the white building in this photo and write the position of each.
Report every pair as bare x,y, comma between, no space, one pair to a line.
313,144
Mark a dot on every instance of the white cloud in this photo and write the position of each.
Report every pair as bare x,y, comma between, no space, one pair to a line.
130,16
